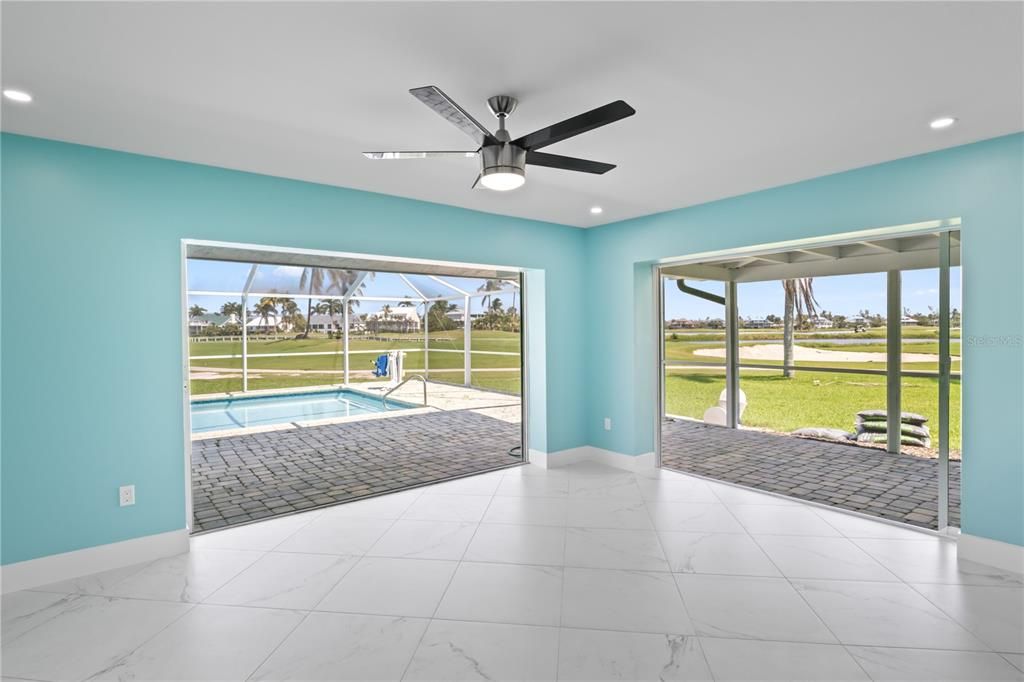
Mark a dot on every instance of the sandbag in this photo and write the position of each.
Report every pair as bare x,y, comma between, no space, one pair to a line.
905,429
882,415
827,434
868,437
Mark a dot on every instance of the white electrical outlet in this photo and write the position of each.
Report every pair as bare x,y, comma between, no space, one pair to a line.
607,423
127,495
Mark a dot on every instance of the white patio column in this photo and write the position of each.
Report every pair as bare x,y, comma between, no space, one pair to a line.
245,343
893,361
732,357
467,328
344,341
426,340
945,367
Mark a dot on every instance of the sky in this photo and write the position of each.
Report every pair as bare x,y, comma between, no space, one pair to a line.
844,295
222,276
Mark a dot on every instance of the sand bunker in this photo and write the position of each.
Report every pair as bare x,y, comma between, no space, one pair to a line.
801,353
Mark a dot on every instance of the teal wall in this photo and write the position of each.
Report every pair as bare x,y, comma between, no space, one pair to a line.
980,183
91,261
91,336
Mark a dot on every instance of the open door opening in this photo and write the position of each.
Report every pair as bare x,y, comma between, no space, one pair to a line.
829,372
315,380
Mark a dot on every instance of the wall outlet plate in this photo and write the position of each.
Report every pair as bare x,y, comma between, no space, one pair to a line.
127,495
607,423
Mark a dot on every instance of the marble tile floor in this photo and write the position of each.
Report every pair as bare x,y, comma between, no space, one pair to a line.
579,573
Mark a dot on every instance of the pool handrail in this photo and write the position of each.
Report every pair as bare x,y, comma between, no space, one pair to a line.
384,398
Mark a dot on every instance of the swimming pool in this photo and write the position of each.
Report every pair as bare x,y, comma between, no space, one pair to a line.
238,413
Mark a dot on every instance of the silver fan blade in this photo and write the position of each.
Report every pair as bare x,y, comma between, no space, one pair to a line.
477,181
432,96
419,155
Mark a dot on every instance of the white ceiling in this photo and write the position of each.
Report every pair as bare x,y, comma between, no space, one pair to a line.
730,97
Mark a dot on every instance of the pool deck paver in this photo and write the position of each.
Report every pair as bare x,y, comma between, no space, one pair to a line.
866,480
244,477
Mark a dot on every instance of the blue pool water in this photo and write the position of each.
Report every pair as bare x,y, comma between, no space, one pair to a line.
237,413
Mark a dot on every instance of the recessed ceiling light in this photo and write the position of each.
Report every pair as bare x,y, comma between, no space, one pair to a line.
596,210
943,122
18,96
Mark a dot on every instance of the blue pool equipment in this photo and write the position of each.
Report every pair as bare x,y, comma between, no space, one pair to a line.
380,366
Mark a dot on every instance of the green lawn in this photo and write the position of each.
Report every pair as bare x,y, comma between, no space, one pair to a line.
683,350
445,366
909,332
808,399
507,342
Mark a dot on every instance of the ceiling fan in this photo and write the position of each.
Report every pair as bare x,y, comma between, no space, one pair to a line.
503,160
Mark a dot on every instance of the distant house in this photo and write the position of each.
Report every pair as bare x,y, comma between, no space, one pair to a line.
908,321
458,315
395,319
271,323
328,324
208,320
821,323
757,324
319,322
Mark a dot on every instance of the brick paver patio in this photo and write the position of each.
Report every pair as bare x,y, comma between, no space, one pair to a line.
871,481
236,479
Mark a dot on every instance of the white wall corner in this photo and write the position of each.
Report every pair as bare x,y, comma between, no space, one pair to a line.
25,575
1002,555
589,453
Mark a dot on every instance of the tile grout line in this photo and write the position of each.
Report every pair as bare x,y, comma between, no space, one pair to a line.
675,583
458,565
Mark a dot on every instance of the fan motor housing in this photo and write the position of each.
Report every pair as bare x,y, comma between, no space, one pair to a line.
503,158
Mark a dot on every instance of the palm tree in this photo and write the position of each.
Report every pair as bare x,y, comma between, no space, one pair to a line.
489,285
337,281
290,312
438,315
406,303
231,308
800,302
196,311
266,308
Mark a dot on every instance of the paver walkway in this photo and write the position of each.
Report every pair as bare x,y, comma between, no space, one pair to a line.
871,481
237,479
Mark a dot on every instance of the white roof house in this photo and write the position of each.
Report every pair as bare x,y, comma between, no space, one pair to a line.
212,319
459,316
395,318
271,323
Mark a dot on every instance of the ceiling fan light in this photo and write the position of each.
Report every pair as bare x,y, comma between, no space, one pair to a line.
503,180
503,167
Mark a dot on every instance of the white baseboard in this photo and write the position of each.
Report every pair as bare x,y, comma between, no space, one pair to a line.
57,567
589,453
992,552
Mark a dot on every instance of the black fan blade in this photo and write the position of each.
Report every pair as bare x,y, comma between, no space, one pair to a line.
570,127
418,155
432,96
567,163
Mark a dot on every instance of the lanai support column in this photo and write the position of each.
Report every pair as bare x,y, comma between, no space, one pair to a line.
245,343
945,367
732,357
344,340
245,327
893,364
467,328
